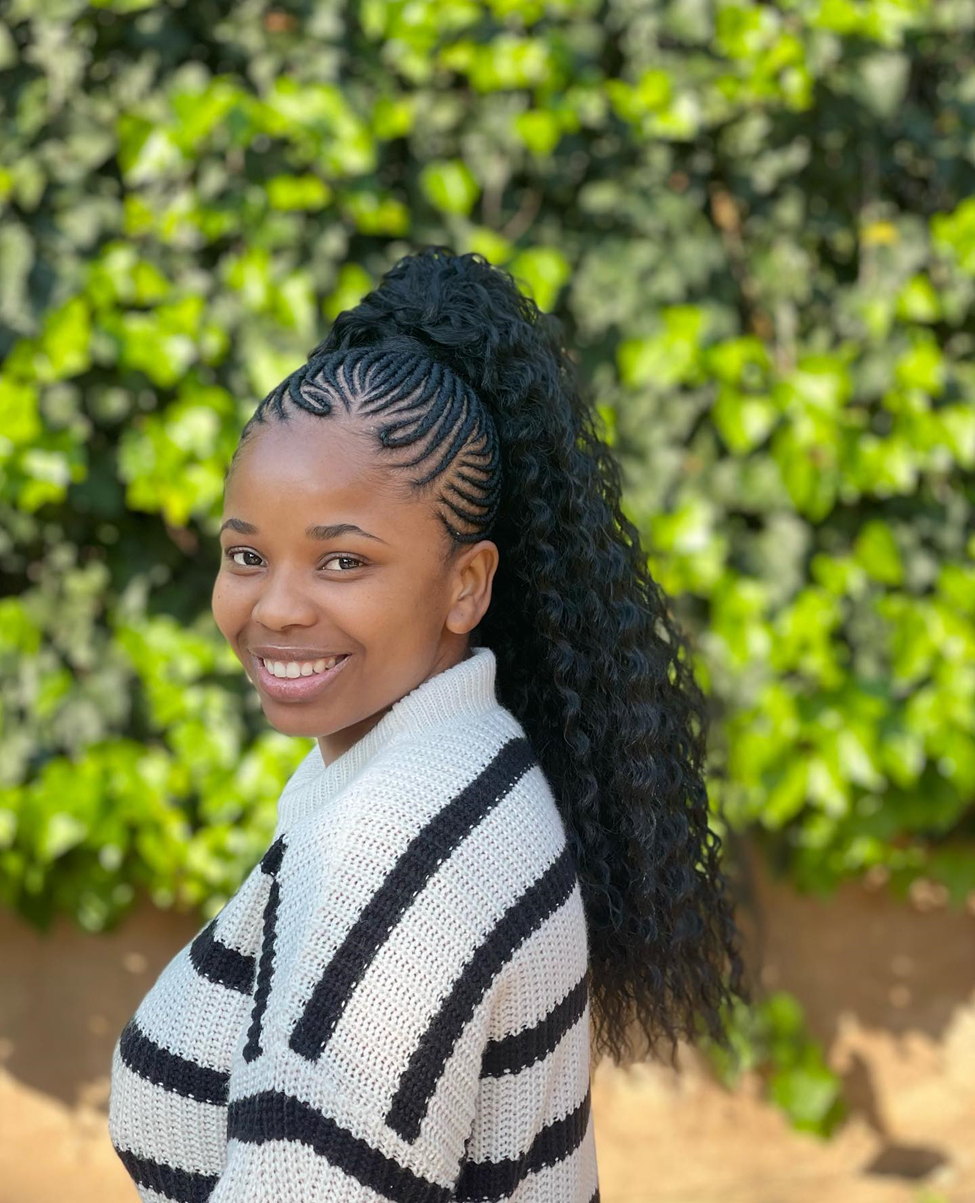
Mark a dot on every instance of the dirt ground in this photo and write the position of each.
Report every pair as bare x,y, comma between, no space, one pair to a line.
888,987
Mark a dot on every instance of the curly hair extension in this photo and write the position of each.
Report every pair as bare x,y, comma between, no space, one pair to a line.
460,371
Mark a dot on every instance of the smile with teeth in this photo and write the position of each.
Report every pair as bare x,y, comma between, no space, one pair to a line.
299,668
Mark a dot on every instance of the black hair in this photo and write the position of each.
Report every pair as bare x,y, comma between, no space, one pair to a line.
475,396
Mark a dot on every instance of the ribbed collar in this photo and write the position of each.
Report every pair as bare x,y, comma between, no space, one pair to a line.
464,689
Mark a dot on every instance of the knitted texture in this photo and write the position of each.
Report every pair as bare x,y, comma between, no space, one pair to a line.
394,1005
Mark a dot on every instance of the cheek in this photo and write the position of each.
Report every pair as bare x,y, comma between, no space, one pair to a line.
227,603
421,611
398,614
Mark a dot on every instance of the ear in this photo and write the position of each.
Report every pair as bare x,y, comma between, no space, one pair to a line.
472,578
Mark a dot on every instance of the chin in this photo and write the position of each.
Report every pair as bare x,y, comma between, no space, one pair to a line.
292,724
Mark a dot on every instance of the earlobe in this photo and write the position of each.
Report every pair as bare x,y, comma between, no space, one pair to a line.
463,617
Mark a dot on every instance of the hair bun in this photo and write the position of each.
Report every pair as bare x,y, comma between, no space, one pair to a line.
458,307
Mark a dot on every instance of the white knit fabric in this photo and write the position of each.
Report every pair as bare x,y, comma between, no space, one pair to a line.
394,1004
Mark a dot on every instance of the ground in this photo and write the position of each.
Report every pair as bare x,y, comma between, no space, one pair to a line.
888,986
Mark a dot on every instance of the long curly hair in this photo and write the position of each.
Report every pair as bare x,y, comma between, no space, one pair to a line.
471,392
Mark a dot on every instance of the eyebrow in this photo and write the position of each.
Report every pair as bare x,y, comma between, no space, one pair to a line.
317,532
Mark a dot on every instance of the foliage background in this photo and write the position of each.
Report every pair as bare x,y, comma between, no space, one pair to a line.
757,221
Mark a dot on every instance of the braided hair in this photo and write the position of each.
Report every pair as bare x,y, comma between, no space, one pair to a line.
474,401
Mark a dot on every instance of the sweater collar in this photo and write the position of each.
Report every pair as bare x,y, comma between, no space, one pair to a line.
463,690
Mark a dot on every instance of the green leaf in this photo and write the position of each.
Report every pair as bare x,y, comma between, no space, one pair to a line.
450,186
541,271
918,301
304,192
876,549
743,421
63,832
669,357
540,130
807,1093
352,285
20,423
922,367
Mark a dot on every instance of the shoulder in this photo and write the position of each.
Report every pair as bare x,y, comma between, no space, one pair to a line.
474,774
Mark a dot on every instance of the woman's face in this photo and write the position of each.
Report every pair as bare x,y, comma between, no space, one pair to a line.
322,553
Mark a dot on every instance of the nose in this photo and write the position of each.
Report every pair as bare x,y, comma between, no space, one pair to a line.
284,602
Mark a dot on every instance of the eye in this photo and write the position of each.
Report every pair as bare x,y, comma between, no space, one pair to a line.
348,559
239,551
232,552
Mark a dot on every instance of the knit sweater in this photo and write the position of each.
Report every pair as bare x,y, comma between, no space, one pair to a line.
394,1005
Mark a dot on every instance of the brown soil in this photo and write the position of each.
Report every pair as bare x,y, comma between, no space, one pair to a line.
889,988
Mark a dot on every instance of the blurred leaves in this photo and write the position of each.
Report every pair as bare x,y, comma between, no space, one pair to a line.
757,223
771,1039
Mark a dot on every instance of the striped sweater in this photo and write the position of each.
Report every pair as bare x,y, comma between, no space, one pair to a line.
394,1005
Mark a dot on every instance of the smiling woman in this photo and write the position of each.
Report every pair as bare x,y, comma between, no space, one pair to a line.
500,837
369,586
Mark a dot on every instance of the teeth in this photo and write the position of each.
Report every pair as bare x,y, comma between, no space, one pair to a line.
298,668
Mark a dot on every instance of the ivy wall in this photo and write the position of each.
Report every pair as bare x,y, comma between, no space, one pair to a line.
757,221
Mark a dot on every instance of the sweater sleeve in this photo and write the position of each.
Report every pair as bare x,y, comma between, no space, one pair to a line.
357,1077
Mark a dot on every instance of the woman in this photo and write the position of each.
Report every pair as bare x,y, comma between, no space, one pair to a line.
503,822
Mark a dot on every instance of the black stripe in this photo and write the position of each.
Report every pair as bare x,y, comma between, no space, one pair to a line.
418,863
272,1115
426,1064
271,860
521,1049
498,1179
174,1073
270,864
218,963
182,1185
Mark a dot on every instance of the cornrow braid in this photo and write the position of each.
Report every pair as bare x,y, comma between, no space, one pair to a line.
417,401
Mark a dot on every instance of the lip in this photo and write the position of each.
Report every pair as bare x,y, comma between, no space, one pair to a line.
291,653
295,689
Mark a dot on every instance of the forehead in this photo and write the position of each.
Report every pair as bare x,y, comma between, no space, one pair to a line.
309,468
